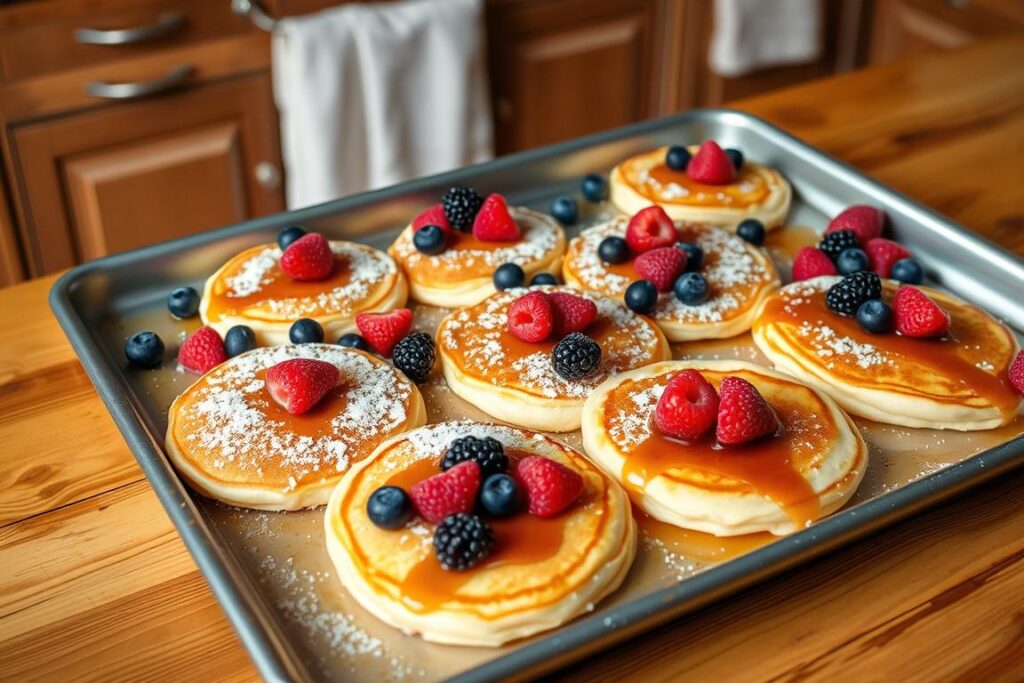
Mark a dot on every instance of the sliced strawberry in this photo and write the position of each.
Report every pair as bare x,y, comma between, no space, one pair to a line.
882,253
383,330
202,351
865,221
812,262
661,266
710,165
308,258
572,313
688,407
435,215
494,223
650,228
531,317
298,384
743,414
1017,373
917,315
447,493
550,487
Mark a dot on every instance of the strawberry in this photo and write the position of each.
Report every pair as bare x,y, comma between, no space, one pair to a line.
308,258
688,407
812,262
743,414
661,266
882,253
493,223
298,384
572,313
202,351
917,315
1017,373
710,165
649,229
383,330
864,221
550,486
447,493
435,215
531,318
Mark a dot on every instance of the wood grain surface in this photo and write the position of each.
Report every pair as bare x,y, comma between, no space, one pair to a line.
95,584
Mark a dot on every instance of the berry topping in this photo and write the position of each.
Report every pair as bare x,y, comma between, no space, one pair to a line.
811,262
183,302
677,157
743,414
462,541
917,315
487,452
595,188
414,355
354,341
835,243
846,296
383,330
641,297
499,496
508,276
430,240
543,279
308,258
289,235
202,351
613,250
694,255
144,350
692,289
751,230
433,216
864,221
305,331
710,165
851,261
298,384
238,340
688,407
447,493
661,266
549,486
389,507
883,253
494,223
572,313
908,271
875,316
576,356
461,205
531,318
736,157
649,229
564,210
1017,373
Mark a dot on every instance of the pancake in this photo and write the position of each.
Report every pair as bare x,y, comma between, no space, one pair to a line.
740,275
779,484
757,192
234,443
250,289
541,574
959,382
461,275
515,381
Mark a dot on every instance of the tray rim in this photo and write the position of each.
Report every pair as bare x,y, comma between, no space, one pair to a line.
253,619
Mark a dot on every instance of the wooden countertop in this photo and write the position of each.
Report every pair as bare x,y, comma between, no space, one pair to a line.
95,583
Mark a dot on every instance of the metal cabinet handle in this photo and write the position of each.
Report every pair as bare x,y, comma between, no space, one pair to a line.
165,25
130,91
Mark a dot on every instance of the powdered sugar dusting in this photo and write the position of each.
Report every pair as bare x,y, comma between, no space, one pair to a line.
432,440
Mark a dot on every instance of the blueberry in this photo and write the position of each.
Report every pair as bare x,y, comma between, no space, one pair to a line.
875,316
144,349
595,188
289,235
694,255
389,507
499,496
736,157
564,210
354,341
851,261
508,275
239,339
306,331
543,279
613,250
641,296
752,230
908,271
677,158
692,289
183,302
429,240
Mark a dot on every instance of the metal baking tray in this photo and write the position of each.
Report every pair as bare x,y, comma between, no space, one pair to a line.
269,571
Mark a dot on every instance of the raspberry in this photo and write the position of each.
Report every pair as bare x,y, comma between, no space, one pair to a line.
917,315
743,414
531,318
298,384
710,165
812,262
1017,373
835,243
661,266
487,452
688,407
550,486
649,229
414,355
864,221
572,313
308,258
576,356
493,223
882,253
202,351
846,296
461,205
462,541
433,216
383,330
447,493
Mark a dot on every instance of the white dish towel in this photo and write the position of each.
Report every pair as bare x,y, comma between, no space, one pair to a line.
372,94
756,34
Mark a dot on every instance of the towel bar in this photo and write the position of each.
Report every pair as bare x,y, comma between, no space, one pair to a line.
255,13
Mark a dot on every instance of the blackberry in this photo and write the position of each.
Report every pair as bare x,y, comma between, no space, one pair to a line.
846,296
486,452
576,356
461,204
461,541
835,243
414,355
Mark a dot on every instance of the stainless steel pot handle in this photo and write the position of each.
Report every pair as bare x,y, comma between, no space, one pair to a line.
130,91
166,24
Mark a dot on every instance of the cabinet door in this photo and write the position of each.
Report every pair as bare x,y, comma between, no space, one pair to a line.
134,174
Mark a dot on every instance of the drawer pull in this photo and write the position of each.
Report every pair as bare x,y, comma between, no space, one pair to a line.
168,23
130,91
